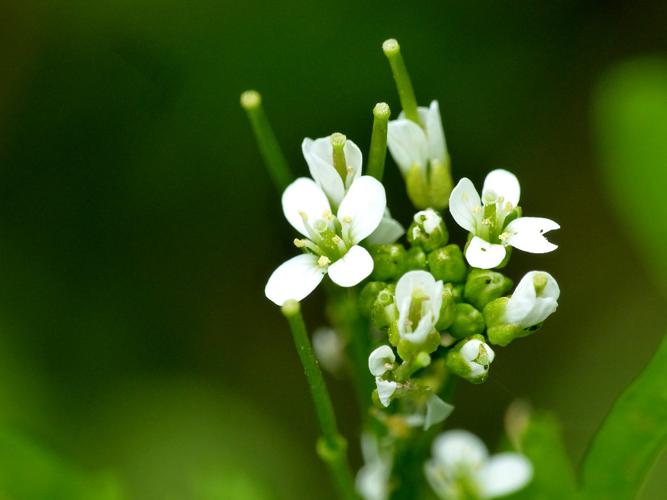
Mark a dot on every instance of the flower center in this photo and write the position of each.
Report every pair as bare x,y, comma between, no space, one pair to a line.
328,237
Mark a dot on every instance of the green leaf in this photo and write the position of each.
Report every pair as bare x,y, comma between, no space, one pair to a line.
631,437
28,472
631,125
553,475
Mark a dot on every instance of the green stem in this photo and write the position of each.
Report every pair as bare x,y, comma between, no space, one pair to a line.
406,94
378,149
273,156
331,447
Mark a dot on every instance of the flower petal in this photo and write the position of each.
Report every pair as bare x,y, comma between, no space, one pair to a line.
388,231
304,196
502,183
386,389
352,268
379,359
527,234
437,144
294,279
414,280
407,144
463,202
526,308
319,156
503,474
459,448
484,255
364,205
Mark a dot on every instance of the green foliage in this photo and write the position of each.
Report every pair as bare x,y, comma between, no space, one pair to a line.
28,472
553,476
632,436
631,116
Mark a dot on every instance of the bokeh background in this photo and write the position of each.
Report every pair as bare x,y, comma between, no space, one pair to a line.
138,226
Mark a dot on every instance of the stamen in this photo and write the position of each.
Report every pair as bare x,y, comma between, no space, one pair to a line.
299,243
323,261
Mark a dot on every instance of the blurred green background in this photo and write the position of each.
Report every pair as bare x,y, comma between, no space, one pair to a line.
138,227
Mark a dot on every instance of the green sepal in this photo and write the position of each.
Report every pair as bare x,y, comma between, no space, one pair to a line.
447,309
448,264
468,321
408,350
458,366
415,183
389,261
384,312
368,296
498,330
483,286
440,185
456,290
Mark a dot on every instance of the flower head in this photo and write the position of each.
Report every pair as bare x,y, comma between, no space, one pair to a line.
331,242
420,151
494,220
461,468
418,298
334,163
534,300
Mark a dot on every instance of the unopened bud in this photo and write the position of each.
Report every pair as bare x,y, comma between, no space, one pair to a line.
448,264
468,321
483,286
428,230
471,359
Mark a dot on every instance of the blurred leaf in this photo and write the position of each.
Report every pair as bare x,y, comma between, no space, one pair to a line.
631,120
238,486
553,475
27,472
631,437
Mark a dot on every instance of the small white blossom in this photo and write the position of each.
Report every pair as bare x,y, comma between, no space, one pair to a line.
372,481
386,389
418,298
411,145
429,219
477,356
332,242
486,219
381,360
319,156
534,299
461,468
329,349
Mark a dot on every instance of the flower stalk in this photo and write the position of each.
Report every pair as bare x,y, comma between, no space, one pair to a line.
378,150
331,446
406,94
273,156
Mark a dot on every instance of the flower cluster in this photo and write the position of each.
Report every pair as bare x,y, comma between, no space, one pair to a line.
435,311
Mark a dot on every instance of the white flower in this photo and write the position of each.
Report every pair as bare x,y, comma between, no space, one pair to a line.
461,468
487,220
319,156
386,389
411,145
331,241
372,481
388,231
381,360
418,298
477,356
329,349
534,300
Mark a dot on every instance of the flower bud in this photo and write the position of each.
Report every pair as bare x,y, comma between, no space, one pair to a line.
447,264
384,312
534,300
417,188
483,286
368,296
468,321
389,261
415,260
471,359
447,309
440,185
428,230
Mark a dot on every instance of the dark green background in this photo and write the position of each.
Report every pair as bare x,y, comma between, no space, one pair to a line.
138,227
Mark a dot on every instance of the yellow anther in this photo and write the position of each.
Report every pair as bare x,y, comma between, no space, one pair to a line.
299,243
327,215
476,210
347,219
503,236
337,240
323,261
